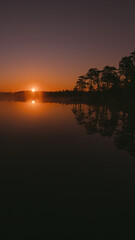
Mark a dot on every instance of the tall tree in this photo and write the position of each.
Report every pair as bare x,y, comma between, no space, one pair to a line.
93,77
109,76
133,57
126,69
132,77
81,83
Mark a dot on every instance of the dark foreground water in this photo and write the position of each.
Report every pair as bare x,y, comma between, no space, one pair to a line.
66,171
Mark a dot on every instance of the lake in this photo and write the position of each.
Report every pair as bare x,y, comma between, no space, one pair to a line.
67,171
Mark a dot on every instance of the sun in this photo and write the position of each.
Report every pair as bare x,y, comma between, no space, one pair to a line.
33,89
33,102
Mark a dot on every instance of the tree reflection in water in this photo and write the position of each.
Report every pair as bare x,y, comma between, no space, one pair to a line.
109,121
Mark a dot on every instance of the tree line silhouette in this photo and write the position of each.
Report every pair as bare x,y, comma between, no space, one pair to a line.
110,121
109,77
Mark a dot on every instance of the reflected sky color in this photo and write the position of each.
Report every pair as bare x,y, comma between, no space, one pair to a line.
60,162
57,121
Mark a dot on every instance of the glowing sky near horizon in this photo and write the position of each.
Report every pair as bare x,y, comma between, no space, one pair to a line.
48,44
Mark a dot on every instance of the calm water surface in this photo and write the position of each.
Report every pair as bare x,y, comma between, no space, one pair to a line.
66,171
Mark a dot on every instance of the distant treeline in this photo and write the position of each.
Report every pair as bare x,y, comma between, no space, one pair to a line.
59,96
109,77
96,85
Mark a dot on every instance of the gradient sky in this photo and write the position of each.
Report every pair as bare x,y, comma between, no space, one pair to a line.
48,44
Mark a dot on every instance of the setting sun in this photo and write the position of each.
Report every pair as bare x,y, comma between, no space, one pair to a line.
33,90
33,102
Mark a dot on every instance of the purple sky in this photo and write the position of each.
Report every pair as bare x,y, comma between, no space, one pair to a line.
48,44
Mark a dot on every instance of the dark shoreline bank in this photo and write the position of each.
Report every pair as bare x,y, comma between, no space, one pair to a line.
119,98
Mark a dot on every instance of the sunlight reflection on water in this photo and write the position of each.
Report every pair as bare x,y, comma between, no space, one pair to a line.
55,154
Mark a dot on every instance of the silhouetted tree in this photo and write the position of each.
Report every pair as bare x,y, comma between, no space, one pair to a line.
93,76
133,57
75,89
126,70
81,83
132,77
110,76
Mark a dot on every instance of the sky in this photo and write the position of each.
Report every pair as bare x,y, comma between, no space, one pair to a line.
46,45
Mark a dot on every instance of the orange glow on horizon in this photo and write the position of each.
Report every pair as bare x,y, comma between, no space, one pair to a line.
15,83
